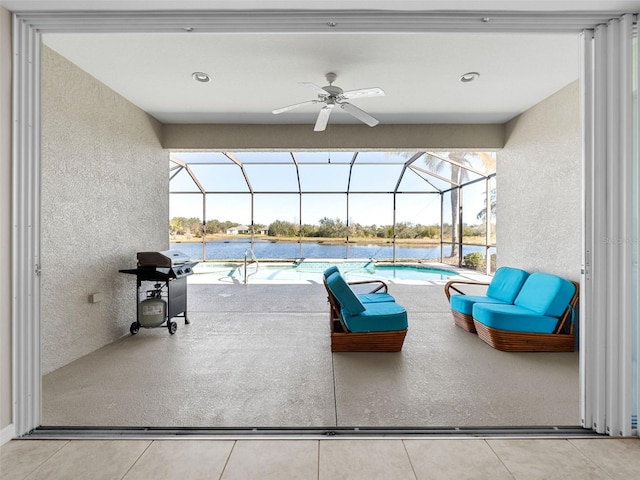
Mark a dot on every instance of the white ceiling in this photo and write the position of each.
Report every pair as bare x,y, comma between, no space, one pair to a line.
256,73
252,74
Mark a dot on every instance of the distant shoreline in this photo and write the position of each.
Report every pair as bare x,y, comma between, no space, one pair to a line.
320,240
324,241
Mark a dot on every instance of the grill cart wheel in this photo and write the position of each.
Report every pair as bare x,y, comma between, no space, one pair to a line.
134,328
173,326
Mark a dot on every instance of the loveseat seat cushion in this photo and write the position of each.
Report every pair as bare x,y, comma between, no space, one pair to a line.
545,294
345,296
366,298
513,318
378,317
464,303
506,284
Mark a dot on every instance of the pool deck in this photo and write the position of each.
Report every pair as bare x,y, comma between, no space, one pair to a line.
222,273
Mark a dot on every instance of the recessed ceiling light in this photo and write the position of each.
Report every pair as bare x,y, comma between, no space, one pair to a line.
469,77
201,77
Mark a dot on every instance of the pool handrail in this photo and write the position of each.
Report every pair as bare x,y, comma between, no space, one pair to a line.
253,260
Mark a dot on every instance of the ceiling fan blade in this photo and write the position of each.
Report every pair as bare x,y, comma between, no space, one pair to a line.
363,92
295,105
318,89
323,118
359,114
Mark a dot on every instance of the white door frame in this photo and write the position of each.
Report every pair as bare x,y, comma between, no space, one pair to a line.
604,373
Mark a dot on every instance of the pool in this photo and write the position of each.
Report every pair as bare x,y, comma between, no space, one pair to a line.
311,272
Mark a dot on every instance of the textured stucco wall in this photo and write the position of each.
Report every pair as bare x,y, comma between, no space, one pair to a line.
539,188
5,218
105,196
348,137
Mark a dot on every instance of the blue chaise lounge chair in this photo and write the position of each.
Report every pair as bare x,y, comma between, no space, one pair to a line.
540,320
363,326
503,289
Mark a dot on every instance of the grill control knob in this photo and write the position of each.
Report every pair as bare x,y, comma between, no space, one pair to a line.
179,272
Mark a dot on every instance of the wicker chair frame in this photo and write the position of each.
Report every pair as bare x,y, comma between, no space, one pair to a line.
342,340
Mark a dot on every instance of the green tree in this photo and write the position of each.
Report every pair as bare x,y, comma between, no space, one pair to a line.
280,228
308,230
186,226
332,228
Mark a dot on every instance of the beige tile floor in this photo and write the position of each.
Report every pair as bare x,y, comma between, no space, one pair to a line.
367,459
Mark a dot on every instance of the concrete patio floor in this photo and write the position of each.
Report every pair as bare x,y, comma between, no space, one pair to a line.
259,356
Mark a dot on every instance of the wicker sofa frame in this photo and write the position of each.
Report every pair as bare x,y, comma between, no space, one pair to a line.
561,340
460,319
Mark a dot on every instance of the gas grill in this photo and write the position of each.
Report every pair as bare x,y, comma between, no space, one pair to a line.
161,288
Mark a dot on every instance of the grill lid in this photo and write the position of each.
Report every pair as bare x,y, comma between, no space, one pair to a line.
164,259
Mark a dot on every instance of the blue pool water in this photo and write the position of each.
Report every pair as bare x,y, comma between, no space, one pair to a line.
311,271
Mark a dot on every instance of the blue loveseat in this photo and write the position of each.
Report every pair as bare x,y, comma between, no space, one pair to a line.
520,312
541,317
365,322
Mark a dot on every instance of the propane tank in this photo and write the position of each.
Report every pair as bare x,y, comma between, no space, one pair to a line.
153,310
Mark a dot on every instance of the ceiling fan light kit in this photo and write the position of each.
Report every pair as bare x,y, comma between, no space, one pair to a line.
333,96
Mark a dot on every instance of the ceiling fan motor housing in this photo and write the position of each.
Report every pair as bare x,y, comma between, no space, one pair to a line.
332,91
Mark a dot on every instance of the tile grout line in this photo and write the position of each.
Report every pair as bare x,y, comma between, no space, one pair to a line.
235,442
500,460
318,458
66,443
137,460
404,445
588,459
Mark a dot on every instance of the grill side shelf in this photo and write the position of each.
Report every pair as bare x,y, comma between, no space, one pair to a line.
151,274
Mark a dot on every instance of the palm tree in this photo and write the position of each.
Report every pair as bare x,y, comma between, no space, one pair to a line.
459,175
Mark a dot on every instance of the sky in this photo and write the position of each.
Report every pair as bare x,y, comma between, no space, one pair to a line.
318,172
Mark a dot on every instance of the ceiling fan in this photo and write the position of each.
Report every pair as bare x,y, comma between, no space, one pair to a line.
333,96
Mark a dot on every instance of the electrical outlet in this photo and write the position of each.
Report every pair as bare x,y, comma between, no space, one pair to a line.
95,297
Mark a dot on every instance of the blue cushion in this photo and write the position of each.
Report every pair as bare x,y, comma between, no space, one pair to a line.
504,288
330,270
506,284
513,318
378,317
375,297
545,294
464,303
343,293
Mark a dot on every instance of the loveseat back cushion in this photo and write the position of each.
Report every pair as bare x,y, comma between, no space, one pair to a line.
545,294
343,293
378,317
506,284
464,303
